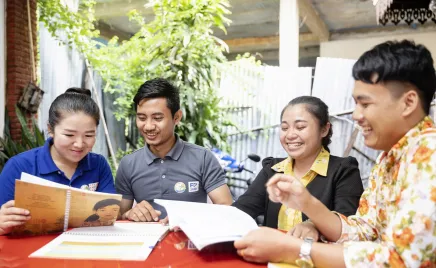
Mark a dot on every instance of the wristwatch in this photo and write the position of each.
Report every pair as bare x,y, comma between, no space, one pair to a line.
305,260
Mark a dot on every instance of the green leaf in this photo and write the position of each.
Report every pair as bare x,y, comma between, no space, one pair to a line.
26,131
176,44
193,136
186,39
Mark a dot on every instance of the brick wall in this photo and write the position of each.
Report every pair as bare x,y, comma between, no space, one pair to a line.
18,66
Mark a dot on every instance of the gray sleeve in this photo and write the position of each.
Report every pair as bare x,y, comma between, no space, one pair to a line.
213,174
122,182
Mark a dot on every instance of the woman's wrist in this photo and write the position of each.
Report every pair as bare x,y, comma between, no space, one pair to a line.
310,205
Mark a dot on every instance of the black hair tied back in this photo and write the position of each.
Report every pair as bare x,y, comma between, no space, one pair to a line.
76,90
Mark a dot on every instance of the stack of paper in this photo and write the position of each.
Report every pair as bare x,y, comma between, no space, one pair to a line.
207,224
123,241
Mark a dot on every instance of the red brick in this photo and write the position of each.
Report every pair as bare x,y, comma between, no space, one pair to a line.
18,68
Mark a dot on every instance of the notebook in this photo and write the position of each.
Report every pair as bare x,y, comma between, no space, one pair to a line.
208,224
56,207
124,241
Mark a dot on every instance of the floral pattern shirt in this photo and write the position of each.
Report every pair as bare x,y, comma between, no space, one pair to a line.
396,217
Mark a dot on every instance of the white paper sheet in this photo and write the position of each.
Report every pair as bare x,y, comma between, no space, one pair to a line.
207,224
123,241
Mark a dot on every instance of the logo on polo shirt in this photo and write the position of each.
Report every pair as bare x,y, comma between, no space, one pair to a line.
90,187
179,187
193,186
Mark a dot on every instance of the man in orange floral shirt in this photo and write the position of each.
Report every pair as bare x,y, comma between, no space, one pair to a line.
395,225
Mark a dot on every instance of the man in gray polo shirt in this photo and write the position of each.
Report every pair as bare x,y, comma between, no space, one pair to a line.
166,167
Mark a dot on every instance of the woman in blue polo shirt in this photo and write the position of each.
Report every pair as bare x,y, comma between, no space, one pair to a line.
65,158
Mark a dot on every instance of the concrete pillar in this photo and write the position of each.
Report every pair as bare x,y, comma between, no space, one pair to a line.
289,32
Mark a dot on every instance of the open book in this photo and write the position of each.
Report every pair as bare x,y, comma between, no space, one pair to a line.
123,241
208,224
56,207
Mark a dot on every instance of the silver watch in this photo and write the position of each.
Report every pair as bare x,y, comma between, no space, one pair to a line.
305,260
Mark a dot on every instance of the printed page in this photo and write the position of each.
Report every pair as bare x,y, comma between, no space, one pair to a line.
46,205
207,224
123,241
88,208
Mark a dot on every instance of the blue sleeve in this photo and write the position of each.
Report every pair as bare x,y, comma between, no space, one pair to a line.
213,173
106,183
10,172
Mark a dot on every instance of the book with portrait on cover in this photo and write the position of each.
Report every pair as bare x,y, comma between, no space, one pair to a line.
56,207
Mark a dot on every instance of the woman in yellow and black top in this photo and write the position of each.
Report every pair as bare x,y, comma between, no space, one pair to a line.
305,135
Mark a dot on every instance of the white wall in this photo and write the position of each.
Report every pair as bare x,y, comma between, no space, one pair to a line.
2,64
353,48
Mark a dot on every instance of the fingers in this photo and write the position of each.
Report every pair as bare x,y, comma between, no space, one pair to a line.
304,230
310,233
16,211
164,221
294,187
9,209
281,183
247,254
274,193
297,232
240,243
135,215
279,177
13,218
143,212
153,213
11,224
9,204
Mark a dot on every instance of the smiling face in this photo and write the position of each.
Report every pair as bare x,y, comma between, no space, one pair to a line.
381,115
300,133
108,213
73,138
155,122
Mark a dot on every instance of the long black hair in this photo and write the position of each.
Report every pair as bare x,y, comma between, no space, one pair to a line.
101,204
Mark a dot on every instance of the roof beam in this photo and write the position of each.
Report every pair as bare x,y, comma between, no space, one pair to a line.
312,20
380,31
117,8
256,44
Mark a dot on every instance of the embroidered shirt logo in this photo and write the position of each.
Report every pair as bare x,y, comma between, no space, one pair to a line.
90,187
179,187
193,186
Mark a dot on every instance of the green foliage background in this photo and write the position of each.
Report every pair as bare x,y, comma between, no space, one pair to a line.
31,137
178,44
